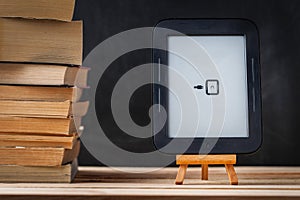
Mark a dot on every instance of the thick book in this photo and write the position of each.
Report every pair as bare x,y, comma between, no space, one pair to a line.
45,109
42,74
38,156
45,126
35,174
31,140
41,41
38,93
37,9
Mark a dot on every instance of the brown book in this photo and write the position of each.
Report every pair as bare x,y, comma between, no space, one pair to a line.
31,140
38,156
45,126
51,9
37,93
39,74
41,41
43,108
35,174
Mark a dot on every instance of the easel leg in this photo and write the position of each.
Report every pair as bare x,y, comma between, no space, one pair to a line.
204,171
181,174
231,174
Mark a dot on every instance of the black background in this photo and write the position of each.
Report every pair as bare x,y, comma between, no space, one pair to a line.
278,22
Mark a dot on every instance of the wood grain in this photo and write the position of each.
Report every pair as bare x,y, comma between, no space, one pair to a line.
231,174
206,159
204,171
127,183
181,174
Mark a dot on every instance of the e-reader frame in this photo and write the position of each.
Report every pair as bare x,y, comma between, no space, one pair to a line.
214,27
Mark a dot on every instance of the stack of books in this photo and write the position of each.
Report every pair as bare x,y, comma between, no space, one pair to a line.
41,82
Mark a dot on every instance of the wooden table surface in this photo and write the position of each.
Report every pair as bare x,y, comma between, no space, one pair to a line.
107,183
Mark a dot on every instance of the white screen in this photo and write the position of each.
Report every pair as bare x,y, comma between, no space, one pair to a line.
228,55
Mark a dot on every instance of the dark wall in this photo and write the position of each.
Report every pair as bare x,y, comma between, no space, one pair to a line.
278,22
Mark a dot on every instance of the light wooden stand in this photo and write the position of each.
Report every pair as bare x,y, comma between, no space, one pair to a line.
204,160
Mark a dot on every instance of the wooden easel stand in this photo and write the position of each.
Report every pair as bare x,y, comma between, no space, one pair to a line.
204,160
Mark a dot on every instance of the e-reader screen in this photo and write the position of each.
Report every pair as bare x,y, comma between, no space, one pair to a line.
228,55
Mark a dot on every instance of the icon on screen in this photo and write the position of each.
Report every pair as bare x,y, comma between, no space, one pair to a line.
212,87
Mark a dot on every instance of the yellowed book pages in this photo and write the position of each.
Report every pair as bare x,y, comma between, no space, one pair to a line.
31,140
38,93
38,156
43,109
42,74
46,126
35,174
38,9
41,41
